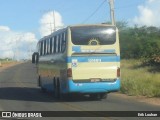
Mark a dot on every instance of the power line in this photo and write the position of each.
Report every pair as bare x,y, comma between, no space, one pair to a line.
94,11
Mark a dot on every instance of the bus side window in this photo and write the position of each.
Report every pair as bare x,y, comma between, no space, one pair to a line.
39,48
50,45
44,47
46,51
63,44
55,43
59,42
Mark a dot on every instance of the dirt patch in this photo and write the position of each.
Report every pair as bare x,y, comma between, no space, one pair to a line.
152,101
7,65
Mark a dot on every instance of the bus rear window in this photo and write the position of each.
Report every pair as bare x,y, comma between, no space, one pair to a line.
93,35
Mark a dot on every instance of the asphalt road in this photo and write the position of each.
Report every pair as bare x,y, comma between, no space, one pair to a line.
19,92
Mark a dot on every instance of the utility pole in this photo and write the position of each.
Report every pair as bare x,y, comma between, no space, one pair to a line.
51,27
54,21
53,24
111,3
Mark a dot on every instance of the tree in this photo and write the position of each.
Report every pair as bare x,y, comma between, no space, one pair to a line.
140,43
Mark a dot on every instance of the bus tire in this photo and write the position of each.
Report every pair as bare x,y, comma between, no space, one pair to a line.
43,89
103,95
67,96
58,89
94,96
40,85
54,88
39,81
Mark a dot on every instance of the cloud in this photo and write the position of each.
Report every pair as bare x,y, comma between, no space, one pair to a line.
151,1
4,28
20,45
16,45
148,14
47,22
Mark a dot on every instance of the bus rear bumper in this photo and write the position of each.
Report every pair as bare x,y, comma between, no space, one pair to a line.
96,87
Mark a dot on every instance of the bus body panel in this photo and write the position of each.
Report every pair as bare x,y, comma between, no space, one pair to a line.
94,62
94,68
51,68
102,67
96,87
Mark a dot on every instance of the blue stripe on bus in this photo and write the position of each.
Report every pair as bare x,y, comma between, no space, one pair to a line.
94,87
76,48
110,51
99,58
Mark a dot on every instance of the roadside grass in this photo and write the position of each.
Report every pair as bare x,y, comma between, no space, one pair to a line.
139,80
6,62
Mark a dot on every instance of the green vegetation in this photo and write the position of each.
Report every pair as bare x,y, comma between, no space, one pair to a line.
139,80
140,65
6,61
140,43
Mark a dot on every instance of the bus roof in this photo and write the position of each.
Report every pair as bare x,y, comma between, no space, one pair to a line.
90,25
79,25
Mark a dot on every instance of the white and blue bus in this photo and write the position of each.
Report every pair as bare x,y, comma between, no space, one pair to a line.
80,59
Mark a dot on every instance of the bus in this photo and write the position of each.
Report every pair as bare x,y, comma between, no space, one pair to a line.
81,59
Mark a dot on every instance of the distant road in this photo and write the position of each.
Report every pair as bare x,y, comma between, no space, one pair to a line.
19,92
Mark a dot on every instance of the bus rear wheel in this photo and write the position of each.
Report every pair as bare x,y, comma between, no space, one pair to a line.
40,84
39,81
94,96
103,95
98,96
56,88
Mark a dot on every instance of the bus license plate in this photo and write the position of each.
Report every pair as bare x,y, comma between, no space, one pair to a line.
95,79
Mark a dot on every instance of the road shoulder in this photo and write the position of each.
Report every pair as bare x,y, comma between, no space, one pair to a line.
144,99
5,66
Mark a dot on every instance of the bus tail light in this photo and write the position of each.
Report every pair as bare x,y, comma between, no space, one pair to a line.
69,72
118,72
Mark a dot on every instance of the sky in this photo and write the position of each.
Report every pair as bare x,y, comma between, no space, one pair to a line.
24,22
